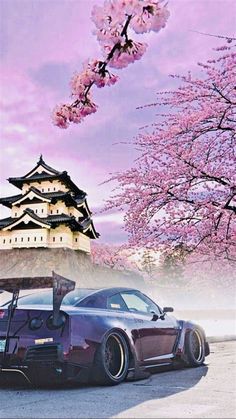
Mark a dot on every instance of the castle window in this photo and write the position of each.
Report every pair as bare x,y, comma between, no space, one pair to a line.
35,238
53,239
42,189
42,210
28,239
57,211
60,239
15,239
54,189
4,241
22,239
48,189
10,241
15,214
41,238
36,211
51,211
76,239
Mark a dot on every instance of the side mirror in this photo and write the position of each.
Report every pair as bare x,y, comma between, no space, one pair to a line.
155,316
168,309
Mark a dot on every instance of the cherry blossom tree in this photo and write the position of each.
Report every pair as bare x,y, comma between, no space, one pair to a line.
113,22
181,190
112,256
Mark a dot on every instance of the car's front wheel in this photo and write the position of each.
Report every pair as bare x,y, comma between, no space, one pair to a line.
111,360
194,348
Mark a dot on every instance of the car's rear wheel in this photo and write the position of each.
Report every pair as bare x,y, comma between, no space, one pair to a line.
111,360
195,348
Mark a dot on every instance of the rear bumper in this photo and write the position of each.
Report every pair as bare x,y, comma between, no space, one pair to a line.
43,364
38,373
10,371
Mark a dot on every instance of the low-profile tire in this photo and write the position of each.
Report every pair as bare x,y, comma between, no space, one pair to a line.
194,348
111,361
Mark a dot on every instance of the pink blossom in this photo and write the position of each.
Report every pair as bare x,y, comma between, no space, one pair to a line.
159,20
127,54
112,22
60,116
88,109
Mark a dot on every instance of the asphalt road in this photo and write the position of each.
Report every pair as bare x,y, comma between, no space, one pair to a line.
205,392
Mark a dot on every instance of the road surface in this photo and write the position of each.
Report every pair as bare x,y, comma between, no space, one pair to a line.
205,392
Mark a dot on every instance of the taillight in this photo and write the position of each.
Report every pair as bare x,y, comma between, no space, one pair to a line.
35,323
60,321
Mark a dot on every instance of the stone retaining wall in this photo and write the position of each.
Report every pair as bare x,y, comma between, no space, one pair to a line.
75,265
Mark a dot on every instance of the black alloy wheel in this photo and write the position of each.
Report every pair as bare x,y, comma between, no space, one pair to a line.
111,360
195,348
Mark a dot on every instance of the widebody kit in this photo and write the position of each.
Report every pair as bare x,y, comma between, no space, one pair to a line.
81,335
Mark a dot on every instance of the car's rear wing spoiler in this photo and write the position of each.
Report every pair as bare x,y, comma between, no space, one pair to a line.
61,286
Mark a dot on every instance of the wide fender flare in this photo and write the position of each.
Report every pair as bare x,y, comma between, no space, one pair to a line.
186,327
129,340
135,371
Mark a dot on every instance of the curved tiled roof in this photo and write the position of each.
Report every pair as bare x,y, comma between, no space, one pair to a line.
55,220
53,196
39,177
42,163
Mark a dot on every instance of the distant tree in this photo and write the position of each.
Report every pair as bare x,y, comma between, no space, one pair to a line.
112,20
182,189
148,264
172,265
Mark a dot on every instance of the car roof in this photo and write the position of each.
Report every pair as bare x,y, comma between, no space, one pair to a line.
104,292
110,291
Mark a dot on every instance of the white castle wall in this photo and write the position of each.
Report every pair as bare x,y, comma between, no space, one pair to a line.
46,186
61,236
41,210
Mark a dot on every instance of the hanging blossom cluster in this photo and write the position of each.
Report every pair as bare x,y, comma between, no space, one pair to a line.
182,190
113,22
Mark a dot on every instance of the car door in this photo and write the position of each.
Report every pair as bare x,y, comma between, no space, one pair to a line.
157,335
143,315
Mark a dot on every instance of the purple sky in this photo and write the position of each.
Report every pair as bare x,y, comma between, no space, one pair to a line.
43,43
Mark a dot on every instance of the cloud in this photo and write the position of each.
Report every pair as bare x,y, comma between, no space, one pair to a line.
111,232
45,76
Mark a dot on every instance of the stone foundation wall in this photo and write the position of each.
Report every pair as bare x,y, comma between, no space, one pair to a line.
75,265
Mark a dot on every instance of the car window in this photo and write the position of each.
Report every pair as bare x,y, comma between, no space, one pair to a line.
139,302
116,302
46,297
94,301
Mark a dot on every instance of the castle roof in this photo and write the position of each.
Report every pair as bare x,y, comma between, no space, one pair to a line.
42,172
42,163
78,200
51,221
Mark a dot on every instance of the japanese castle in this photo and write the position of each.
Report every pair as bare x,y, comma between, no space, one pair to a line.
50,212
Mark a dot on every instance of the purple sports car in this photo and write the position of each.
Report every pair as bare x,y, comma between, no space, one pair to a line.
82,335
